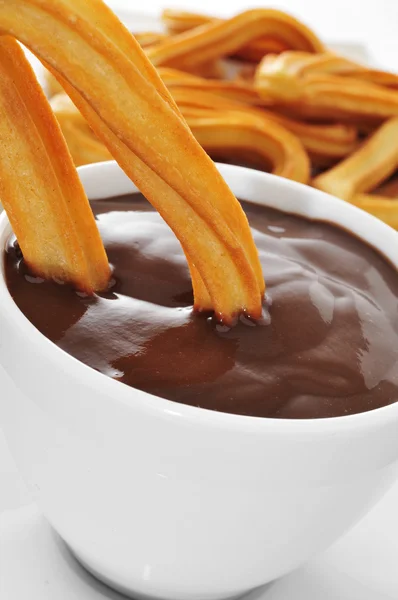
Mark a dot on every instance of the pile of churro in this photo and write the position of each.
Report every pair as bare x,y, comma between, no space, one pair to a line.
262,89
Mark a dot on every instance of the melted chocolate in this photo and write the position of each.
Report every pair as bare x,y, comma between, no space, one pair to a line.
331,348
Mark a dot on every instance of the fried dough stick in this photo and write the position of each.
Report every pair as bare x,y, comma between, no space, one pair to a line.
230,132
128,107
215,130
322,142
373,162
217,39
382,207
294,66
83,144
39,186
323,89
241,91
179,21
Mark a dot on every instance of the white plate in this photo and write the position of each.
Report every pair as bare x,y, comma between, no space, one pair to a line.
35,565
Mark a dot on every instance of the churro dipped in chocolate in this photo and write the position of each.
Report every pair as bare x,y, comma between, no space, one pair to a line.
110,79
40,189
222,38
373,162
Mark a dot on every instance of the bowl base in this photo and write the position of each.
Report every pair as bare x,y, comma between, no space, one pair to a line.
138,595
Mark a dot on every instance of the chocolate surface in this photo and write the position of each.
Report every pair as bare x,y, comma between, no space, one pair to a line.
331,348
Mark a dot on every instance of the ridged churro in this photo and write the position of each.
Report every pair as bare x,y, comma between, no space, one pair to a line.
239,90
83,144
149,38
373,162
127,106
230,132
227,132
323,142
382,207
180,21
297,65
40,189
311,92
222,38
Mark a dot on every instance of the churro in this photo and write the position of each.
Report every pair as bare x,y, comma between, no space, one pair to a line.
218,39
318,94
83,144
127,106
40,189
180,21
149,38
297,65
323,142
230,132
373,162
382,207
239,90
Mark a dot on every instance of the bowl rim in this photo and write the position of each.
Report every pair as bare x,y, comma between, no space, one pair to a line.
102,176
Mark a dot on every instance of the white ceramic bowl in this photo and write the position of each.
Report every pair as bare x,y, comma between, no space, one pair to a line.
172,501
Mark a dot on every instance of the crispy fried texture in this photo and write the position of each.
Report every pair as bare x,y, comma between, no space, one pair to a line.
242,91
298,65
382,207
373,162
324,87
226,132
222,38
322,142
179,21
39,186
83,144
51,85
149,38
244,132
110,79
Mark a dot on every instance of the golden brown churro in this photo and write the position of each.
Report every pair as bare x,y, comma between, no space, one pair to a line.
239,90
217,39
127,105
323,142
83,144
40,189
149,38
178,21
375,160
51,85
297,65
382,207
291,79
229,132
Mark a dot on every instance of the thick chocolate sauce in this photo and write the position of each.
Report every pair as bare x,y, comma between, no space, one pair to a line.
331,348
